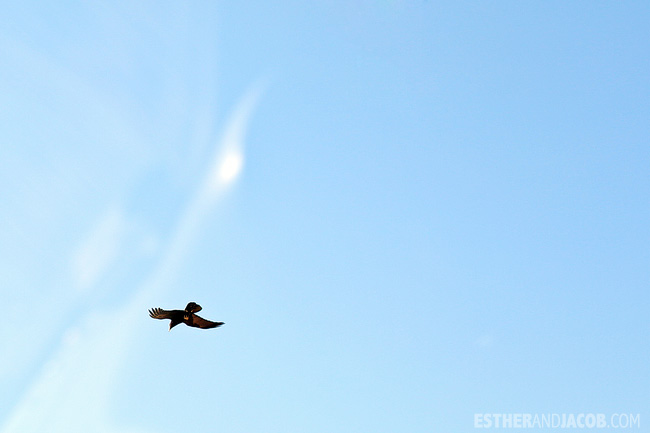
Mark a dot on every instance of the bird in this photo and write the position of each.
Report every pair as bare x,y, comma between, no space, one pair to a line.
186,316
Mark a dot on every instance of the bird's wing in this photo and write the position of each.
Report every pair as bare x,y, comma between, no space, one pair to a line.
200,322
193,307
159,313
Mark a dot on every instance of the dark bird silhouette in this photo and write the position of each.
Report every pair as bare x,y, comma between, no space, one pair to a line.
186,316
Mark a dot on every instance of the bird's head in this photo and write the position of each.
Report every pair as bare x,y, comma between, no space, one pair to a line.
193,307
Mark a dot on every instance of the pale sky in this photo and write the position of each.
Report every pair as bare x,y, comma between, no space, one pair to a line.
405,212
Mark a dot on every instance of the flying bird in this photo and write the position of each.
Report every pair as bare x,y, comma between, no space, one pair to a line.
186,316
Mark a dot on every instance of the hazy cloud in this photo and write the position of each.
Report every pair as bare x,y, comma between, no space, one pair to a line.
72,392
100,248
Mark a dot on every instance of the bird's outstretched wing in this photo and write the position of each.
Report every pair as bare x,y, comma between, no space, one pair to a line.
159,313
200,322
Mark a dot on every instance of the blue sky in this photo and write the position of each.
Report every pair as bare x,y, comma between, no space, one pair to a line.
406,212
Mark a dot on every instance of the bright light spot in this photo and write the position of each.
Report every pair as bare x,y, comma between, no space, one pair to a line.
231,166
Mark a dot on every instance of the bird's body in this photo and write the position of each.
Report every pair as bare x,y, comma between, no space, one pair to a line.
186,316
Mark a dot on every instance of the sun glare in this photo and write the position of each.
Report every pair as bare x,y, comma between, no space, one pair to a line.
231,166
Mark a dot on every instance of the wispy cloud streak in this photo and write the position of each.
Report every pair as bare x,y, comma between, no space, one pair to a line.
211,189
73,390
